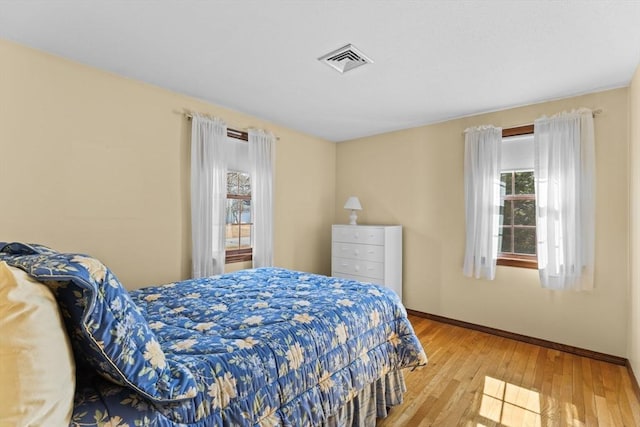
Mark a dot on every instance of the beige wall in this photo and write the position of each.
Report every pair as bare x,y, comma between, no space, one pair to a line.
95,163
634,257
415,178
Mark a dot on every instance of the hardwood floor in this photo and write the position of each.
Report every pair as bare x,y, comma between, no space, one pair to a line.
481,380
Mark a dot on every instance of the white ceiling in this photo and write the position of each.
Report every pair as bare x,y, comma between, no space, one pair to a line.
434,60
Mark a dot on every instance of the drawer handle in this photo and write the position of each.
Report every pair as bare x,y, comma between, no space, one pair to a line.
357,268
345,265
356,252
370,251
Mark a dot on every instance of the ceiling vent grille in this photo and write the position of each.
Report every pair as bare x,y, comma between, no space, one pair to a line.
346,58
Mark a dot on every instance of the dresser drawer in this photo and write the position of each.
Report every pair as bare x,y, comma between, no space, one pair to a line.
355,234
358,278
366,269
358,251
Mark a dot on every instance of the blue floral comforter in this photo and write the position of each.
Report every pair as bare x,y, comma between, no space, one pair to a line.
263,347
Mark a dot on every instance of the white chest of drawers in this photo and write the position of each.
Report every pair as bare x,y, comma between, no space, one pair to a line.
369,253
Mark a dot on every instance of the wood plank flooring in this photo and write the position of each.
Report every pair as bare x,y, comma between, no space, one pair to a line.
480,380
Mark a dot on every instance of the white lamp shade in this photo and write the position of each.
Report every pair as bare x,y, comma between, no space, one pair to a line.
353,203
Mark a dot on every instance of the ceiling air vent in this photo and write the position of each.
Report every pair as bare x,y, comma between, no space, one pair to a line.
346,58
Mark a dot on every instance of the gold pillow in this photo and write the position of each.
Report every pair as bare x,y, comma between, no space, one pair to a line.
37,370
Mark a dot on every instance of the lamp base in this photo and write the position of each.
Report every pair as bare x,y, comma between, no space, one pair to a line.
353,217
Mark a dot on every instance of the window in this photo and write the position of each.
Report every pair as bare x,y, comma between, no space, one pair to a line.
239,223
238,217
518,229
518,212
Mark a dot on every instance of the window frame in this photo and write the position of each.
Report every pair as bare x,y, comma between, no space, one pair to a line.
511,259
241,254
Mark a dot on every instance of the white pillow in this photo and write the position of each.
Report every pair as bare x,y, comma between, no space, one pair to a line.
37,370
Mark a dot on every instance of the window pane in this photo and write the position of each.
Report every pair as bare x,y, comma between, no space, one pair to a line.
525,241
507,211
505,182
524,212
245,236
244,184
505,241
232,182
524,183
232,236
234,210
246,212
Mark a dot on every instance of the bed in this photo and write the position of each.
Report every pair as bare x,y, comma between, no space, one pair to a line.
259,347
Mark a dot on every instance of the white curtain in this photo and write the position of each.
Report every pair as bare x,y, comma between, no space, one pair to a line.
565,198
208,196
482,200
261,158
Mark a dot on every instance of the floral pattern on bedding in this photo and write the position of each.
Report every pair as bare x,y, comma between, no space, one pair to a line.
265,347
277,347
106,328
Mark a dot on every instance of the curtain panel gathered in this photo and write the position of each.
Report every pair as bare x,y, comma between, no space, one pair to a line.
261,159
208,196
564,169
482,200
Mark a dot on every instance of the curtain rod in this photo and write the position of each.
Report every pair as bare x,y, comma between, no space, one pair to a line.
594,113
189,116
